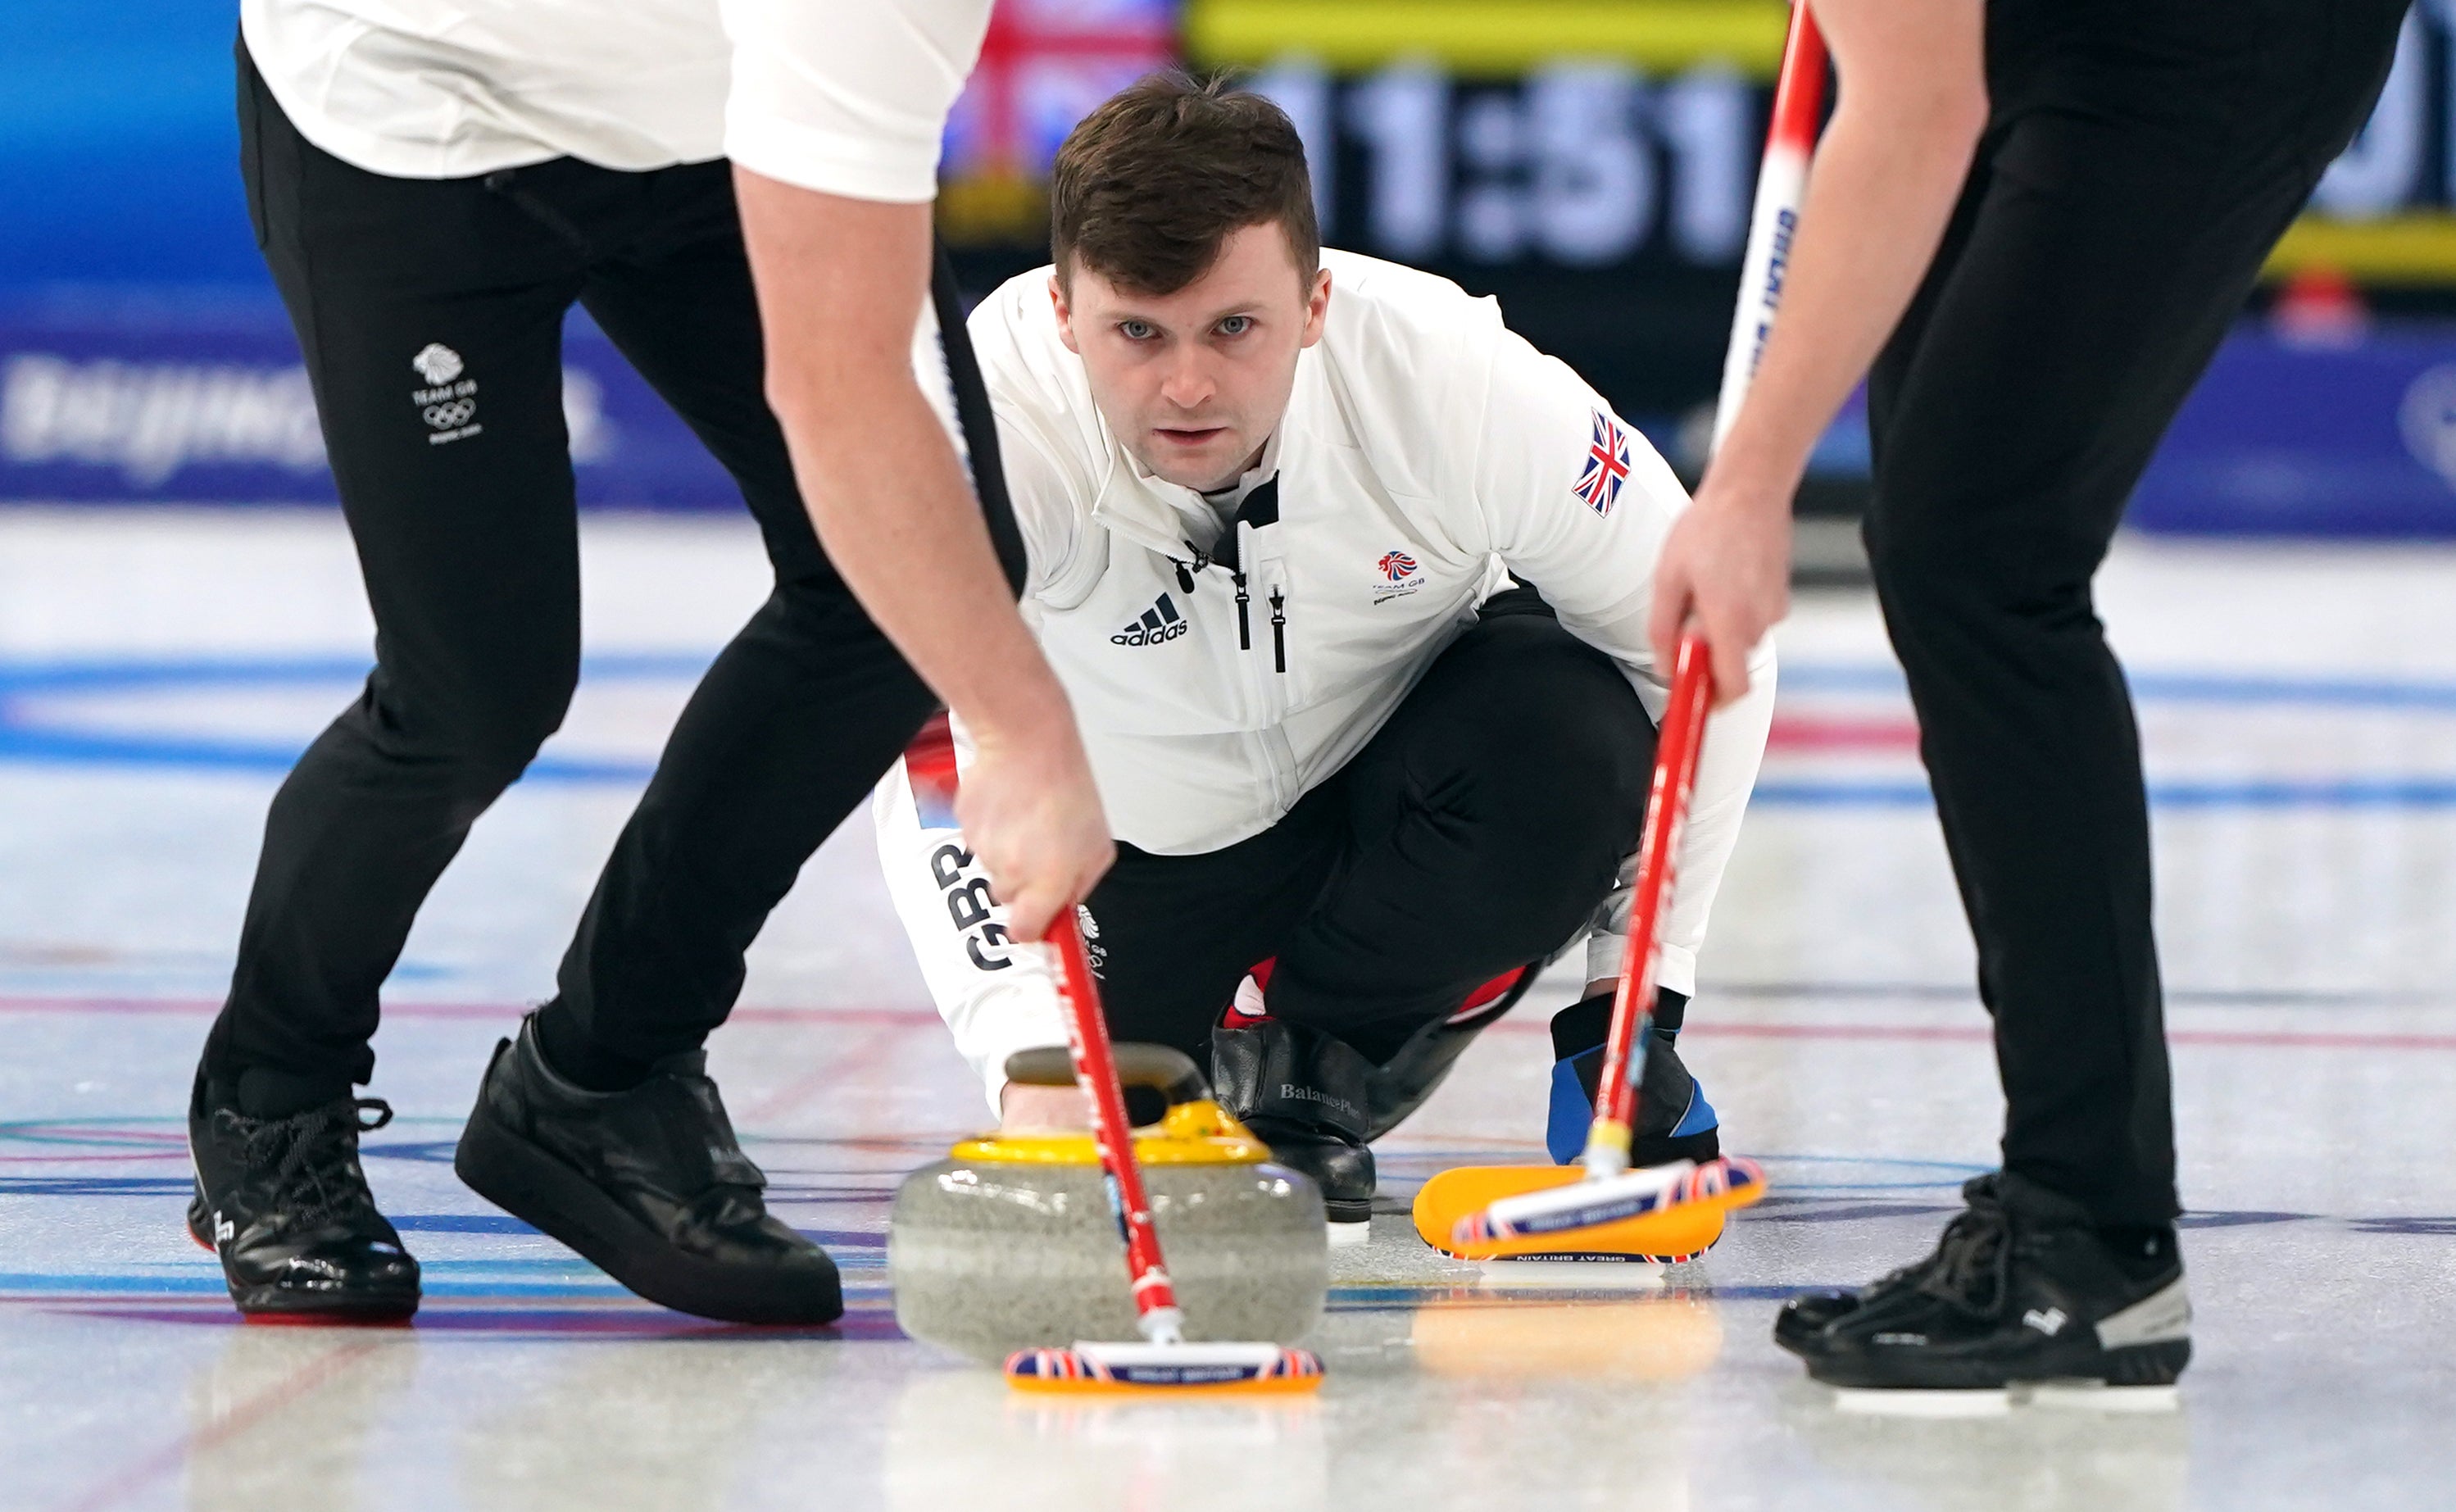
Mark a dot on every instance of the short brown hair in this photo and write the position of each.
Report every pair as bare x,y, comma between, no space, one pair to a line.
1149,185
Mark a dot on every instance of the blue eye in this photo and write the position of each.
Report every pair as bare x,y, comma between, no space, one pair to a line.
1135,330
1237,325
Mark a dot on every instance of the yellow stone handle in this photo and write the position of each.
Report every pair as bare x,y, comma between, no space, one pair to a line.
1200,1132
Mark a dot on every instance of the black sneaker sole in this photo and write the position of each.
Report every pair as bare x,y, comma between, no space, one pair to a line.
1347,1210
2157,1364
533,1185
288,1304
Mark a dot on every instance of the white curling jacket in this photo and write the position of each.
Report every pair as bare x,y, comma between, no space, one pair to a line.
846,96
1428,457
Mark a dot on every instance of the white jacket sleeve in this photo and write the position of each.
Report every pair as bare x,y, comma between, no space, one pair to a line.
1049,483
848,98
1577,503
998,996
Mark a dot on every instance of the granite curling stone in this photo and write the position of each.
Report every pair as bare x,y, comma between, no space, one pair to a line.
1012,1243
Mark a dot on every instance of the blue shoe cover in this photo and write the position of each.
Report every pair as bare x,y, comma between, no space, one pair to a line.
1572,1114
1564,1132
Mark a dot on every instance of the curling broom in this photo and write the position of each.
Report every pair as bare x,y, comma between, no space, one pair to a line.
1601,1206
1162,1360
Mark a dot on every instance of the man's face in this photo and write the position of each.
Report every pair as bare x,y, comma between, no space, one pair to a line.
1194,381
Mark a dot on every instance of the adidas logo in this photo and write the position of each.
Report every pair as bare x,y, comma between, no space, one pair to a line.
1159,623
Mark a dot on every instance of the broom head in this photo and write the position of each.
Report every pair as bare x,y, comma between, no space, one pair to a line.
1663,1214
1173,1369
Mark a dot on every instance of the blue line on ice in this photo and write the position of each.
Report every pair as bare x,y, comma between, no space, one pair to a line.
24,739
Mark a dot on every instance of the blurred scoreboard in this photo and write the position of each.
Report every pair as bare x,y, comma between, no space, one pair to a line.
1588,161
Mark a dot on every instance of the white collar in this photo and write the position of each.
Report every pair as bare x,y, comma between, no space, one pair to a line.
1154,513
1225,500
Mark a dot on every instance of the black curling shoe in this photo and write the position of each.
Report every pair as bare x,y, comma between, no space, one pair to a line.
284,1206
1309,1097
1801,1324
2021,1289
1336,1161
648,1184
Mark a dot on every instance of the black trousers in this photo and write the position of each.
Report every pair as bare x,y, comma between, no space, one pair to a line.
1476,833
2142,157
430,315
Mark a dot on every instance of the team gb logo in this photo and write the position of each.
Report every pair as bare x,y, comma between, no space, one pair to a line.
1398,577
436,363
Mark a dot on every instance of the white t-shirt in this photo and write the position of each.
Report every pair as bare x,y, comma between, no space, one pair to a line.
844,97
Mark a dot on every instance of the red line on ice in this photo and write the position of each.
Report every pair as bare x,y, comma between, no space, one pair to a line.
2221,1038
224,1426
498,1012
1704,1024
1887,732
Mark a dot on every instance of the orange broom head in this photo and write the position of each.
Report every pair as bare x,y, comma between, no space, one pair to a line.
1175,1370
1668,1235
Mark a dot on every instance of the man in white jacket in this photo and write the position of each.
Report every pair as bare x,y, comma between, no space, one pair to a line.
1348,585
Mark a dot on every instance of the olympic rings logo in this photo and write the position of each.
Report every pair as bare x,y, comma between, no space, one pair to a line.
448,416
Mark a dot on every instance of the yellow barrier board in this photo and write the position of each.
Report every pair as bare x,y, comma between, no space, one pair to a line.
2414,249
1489,37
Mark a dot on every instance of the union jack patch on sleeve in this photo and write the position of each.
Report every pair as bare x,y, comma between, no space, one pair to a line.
1607,466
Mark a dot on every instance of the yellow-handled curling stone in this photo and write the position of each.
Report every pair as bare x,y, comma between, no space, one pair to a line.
1012,1242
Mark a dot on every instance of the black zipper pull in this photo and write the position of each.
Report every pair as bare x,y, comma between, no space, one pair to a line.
1279,629
1244,626
1185,570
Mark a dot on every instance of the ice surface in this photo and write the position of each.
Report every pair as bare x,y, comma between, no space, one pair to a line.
2300,706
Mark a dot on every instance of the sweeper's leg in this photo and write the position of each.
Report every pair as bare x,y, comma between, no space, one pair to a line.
429,312
599,1125
793,723
2120,208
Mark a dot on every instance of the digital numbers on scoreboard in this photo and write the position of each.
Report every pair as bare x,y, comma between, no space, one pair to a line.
1580,163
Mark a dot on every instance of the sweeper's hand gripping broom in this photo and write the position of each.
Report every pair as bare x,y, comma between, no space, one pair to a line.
1600,1205
1162,1360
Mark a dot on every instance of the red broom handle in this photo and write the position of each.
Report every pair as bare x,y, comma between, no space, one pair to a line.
1666,812
1095,1069
1799,88
1773,216
1790,140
